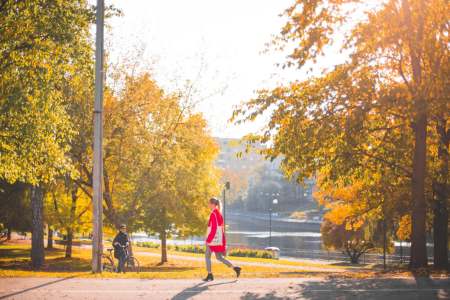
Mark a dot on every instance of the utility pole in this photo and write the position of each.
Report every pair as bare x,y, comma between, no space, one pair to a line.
97,196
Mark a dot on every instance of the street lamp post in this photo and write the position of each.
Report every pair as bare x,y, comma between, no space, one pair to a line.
97,173
225,188
270,227
401,252
274,202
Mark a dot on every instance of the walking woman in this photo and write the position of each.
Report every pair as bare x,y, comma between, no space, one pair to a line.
215,240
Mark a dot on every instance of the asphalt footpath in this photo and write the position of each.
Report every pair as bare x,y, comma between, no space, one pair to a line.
228,289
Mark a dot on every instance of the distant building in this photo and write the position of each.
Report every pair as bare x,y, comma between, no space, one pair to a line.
264,180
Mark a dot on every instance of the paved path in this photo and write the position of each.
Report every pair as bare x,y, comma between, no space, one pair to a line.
244,289
326,268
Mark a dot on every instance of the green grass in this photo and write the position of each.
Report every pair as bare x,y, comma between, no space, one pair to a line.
235,252
256,260
15,262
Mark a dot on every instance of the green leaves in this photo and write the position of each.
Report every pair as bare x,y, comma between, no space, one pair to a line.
40,44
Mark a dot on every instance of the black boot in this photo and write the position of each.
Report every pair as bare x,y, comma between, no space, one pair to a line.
238,271
210,277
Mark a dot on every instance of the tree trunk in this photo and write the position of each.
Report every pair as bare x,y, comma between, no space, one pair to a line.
440,211
37,231
418,234
418,216
69,242
163,236
50,238
109,210
73,208
8,233
354,257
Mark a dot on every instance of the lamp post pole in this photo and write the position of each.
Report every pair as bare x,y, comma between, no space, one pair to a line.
225,188
97,195
384,242
270,227
273,202
401,252
224,207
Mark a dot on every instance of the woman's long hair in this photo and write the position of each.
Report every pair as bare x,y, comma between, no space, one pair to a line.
216,202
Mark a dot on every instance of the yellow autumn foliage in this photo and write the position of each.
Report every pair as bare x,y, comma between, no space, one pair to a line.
404,228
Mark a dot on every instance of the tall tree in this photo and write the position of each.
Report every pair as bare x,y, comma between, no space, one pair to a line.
439,173
177,184
400,45
173,160
40,42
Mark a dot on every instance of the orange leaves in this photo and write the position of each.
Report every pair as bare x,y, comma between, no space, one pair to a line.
404,228
347,205
347,215
339,213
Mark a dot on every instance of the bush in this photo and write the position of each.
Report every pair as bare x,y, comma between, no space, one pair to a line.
148,245
243,252
237,252
301,215
188,248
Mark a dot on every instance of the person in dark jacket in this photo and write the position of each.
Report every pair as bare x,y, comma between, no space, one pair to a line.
120,243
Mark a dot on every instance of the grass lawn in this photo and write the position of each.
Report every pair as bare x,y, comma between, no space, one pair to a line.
15,262
253,259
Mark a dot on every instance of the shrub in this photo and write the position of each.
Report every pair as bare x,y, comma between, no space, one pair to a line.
301,215
243,252
238,252
189,248
148,245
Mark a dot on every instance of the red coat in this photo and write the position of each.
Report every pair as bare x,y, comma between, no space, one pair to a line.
213,223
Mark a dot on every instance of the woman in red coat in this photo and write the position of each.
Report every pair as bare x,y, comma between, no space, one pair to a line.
215,240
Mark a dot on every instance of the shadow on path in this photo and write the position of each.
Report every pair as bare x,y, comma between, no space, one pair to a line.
268,296
197,289
367,289
36,287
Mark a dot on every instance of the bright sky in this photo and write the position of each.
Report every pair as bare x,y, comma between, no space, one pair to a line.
221,40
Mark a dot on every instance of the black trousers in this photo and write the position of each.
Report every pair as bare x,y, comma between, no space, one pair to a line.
121,267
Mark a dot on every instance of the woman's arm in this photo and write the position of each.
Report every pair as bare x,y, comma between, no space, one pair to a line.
213,222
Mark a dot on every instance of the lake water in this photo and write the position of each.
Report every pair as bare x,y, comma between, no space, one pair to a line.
298,239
